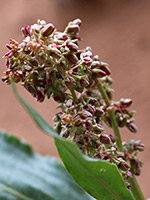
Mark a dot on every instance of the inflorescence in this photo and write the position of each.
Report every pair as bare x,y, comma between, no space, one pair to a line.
50,63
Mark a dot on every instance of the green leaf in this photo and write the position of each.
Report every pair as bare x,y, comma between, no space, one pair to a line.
25,175
99,178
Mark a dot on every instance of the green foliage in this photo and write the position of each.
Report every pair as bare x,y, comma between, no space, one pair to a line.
25,175
99,178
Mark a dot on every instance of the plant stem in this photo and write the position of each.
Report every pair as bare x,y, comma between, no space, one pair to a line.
136,190
111,114
75,99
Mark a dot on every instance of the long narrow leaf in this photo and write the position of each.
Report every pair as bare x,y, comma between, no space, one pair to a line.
99,178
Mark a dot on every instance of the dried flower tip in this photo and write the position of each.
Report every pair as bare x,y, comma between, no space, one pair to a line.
48,30
67,118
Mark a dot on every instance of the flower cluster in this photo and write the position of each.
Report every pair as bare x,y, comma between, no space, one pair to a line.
49,63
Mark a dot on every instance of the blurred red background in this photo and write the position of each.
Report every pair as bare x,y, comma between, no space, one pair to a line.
118,30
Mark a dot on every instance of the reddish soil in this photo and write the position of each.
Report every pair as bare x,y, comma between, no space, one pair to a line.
118,30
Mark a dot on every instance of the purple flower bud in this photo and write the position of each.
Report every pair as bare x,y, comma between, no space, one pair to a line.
8,46
78,122
95,64
105,139
72,46
31,88
72,58
99,112
123,165
97,128
73,29
138,145
48,30
55,53
25,30
98,73
85,114
59,97
92,100
91,108
126,102
88,125
132,127
84,82
105,69
135,166
70,82
77,21
40,94
50,76
27,68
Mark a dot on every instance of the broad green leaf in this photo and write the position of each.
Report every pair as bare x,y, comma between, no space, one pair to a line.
99,178
25,175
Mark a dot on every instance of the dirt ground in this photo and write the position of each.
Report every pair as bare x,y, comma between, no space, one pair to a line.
118,30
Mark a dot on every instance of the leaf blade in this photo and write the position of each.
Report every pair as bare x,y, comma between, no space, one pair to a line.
29,176
98,189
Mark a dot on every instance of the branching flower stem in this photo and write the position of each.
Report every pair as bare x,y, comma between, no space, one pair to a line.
111,114
75,99
135,188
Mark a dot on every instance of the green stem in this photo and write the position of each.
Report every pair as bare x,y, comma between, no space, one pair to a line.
75,99
136,190
111,114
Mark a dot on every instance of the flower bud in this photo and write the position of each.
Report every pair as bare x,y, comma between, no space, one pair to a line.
48,30
78,122
72,58
95,64
72,46
126,102
91,108
84,82
77,21
59,97
92,100
73,29
135,166
88,125
105,69
25,30
85,114
98,73
132,127
97,128
27,68
105,139
123,165
99,112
